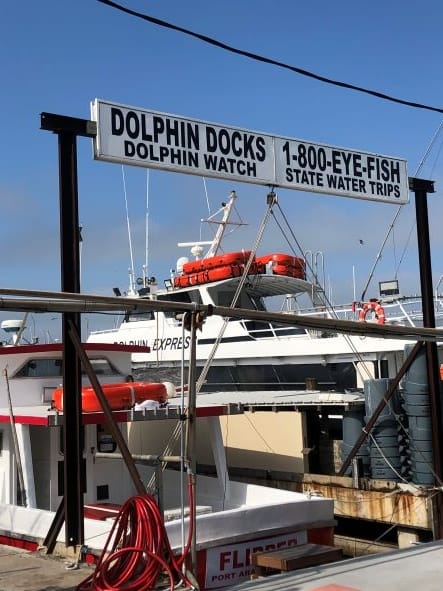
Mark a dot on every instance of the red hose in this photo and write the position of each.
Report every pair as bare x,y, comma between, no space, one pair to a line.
137,551
191,492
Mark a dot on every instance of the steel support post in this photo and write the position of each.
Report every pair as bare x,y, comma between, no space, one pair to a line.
67,129
421,189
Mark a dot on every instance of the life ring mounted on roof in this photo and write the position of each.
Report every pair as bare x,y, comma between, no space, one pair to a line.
373,306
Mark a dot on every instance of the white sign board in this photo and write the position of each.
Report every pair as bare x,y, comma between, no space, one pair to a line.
129,135
230,564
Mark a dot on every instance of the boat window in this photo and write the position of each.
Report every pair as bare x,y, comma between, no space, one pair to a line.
102,367
222,297
37,368
137,316
257,302
45,368
246,300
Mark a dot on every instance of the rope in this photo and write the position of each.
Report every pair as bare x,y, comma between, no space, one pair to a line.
362,369
243,279
137,552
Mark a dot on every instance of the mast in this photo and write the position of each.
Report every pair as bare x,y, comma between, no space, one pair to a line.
227,209
214,244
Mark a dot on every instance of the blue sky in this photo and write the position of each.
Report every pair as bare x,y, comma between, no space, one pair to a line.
58,56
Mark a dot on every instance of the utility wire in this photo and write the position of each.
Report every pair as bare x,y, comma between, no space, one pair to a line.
267,60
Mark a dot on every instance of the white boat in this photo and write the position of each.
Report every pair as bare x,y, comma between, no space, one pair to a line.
255,355
232,519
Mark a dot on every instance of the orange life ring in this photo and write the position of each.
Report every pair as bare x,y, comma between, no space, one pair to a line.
120,396
373,306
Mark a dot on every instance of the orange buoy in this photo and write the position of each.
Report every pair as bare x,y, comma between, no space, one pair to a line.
373,306
120,396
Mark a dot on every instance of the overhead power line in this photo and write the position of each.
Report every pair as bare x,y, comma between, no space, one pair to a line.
267,60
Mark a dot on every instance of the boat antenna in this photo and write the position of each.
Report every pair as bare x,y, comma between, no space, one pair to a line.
391,226
146,268
206,194
131,290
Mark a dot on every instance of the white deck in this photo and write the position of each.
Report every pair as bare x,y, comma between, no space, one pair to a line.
418,567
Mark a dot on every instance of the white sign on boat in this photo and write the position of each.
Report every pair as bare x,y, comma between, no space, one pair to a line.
129,135
230,564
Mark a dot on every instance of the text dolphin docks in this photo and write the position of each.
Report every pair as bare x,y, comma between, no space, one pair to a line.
165,139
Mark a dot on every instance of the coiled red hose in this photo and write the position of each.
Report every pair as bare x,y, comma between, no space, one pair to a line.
137,551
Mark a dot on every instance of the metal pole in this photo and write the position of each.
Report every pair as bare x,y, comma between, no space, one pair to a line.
74,475
191,433
64,302
67,129
421,188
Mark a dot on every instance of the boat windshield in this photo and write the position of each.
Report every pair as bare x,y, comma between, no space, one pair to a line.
223,295
53,367
191,296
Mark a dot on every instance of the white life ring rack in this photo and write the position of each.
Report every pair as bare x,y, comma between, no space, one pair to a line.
375,307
